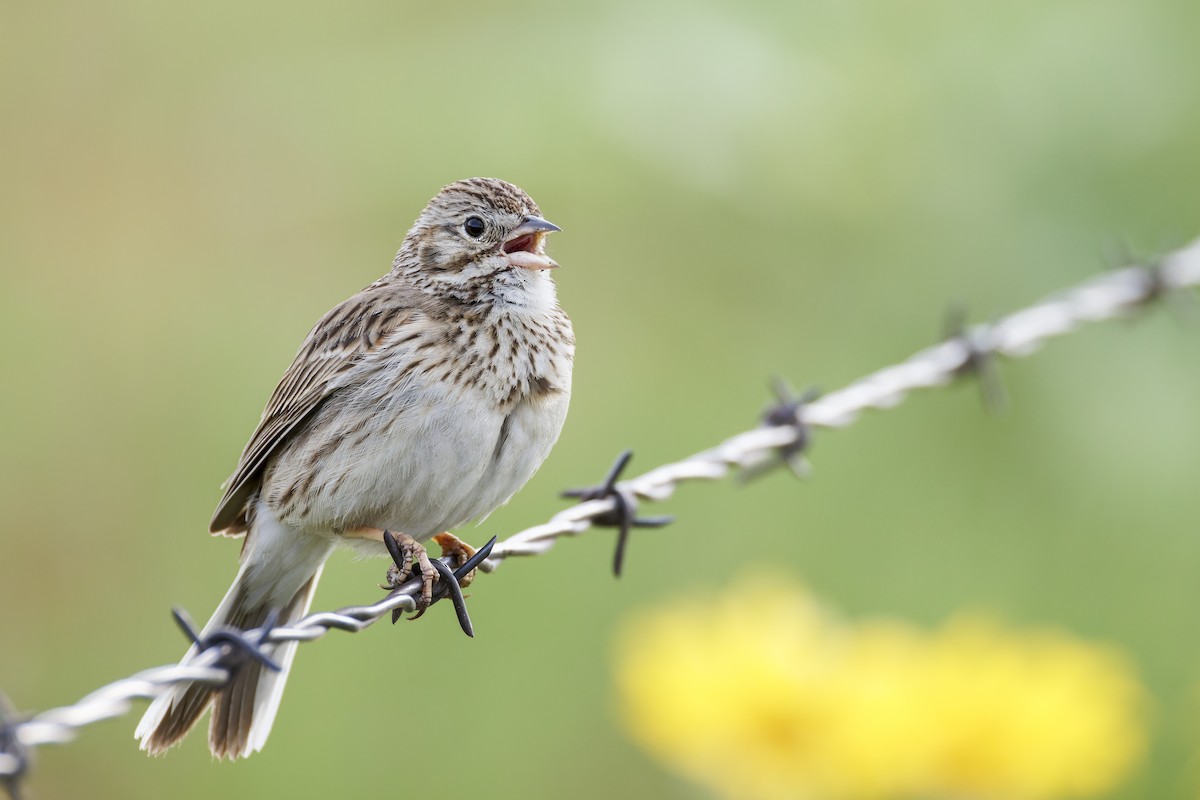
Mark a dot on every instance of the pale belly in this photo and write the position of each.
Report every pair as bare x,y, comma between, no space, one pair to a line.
428,461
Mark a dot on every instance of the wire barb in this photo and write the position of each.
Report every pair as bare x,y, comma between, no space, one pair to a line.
14,756
1108,296
454,590
980,360
623,514
787,413
454,584
1159,288
474,561
239,645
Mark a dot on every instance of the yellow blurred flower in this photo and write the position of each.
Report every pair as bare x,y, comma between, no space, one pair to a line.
761,693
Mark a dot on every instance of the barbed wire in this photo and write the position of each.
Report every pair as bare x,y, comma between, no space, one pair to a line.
782,439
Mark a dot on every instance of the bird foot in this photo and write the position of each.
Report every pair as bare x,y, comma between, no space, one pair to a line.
406,551
461,551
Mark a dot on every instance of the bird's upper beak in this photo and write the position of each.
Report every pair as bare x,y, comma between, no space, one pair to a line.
524,245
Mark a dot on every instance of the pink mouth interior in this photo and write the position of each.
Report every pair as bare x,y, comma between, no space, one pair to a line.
526,243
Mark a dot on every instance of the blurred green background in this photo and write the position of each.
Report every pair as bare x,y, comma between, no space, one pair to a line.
746,189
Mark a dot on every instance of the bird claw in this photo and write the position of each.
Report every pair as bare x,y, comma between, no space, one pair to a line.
405,550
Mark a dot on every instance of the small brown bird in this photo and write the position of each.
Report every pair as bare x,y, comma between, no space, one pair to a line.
424,401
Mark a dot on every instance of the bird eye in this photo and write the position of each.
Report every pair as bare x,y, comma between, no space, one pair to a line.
474,227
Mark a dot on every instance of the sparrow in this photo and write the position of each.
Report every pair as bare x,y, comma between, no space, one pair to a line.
424,401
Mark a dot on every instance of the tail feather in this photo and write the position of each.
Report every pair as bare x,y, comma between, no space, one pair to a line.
169,728
245,708
244,712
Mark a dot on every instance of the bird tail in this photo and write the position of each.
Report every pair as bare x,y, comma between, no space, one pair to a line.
278,576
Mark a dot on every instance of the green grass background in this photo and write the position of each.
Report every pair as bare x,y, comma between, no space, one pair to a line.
745,189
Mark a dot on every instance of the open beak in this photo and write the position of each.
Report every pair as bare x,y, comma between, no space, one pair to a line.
525,244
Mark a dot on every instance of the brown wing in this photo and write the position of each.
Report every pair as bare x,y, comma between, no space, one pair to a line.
351,331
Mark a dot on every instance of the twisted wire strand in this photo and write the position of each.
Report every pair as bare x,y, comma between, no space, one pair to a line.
1111,295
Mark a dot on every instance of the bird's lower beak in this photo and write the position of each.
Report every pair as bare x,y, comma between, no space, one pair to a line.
526,260
524,245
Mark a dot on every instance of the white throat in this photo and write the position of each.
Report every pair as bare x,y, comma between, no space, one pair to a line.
525,292
509,289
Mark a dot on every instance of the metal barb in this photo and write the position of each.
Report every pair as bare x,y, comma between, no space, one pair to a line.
474,561
980,360
393,548
787,412
15,753
623,515
1182,305
184,621
1156,284
240,644
449,585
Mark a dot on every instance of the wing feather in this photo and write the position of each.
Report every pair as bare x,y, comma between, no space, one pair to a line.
350,332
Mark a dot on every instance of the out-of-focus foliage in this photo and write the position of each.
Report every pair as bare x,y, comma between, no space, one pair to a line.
761,693
746,189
